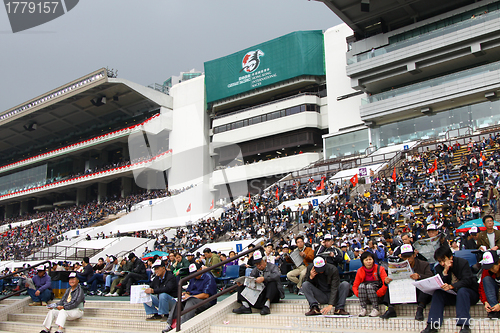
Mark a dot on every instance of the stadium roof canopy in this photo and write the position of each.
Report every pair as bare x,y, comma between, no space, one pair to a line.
380,15
94,99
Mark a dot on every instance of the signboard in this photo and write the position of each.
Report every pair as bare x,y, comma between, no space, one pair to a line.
362,172
405,147
292,55
239,247
315,202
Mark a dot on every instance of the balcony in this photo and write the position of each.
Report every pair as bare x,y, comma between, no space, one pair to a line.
277,166
466,86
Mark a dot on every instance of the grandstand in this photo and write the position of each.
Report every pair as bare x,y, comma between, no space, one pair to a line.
102,165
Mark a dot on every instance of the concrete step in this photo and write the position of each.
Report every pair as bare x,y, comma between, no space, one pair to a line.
36,328
109,323
118,304
353,307
292,321
228,328
138,314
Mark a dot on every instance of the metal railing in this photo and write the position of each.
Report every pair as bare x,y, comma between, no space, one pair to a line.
73,253
20,271
211,298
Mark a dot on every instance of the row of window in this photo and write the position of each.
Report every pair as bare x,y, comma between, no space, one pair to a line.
267,117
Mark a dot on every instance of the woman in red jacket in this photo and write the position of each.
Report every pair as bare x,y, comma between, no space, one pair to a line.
490,283
370,284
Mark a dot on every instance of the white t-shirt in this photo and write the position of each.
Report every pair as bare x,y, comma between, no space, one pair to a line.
491,238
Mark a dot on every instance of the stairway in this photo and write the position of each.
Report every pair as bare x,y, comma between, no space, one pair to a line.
99,317
288,316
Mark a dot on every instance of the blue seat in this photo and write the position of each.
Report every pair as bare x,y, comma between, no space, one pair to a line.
467,254
232,272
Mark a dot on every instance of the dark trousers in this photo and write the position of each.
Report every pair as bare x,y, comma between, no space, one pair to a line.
186,305
131,278
463,300
422,298
270,292
96,278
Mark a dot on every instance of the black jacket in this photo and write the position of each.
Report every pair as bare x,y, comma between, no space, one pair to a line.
167,285
139,267
462,271
333,279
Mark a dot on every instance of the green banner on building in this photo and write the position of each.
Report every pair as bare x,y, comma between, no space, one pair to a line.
296,54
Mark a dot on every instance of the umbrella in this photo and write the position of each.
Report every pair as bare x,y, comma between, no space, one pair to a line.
154,253
474,223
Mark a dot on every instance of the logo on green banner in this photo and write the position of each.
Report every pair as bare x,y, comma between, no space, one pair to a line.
251,61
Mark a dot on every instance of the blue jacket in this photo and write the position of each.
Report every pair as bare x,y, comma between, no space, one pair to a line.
42,283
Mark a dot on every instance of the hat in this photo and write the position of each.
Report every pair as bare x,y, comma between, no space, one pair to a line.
194,267
328,237
343,245
72,275
41,268
406,249
285,245
432,227
164,258
473,230
490,258
207,250
158,263
120,259
190,254
268,244
380,244
113,258
257,257
319,264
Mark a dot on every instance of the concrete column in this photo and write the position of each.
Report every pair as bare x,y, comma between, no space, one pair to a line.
8,211
81,195
126,186
23,207
102,191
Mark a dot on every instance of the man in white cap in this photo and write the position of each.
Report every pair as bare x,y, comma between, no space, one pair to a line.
70,307
163,290
42,283
469,240
269,275
322,286
421,270
200,287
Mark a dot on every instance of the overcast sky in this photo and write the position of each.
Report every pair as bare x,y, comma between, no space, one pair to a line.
147,41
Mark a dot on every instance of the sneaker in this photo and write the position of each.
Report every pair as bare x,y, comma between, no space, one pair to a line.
390,313
44,331
35,304
363,313
167,329
341,312
419,315
115,294
118,286
494,315
374,313
164,318
313,312
242,310
265,310
108,295
300,293
154,317
90,293
430,329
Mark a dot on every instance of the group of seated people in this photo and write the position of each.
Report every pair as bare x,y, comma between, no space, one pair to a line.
318,277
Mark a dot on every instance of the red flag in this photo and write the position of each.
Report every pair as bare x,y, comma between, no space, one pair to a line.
354,180
311,180
277,194
394,174
189,208
480,162
249,198
482,156
477,179
48,227
434,167
322,185
212,205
